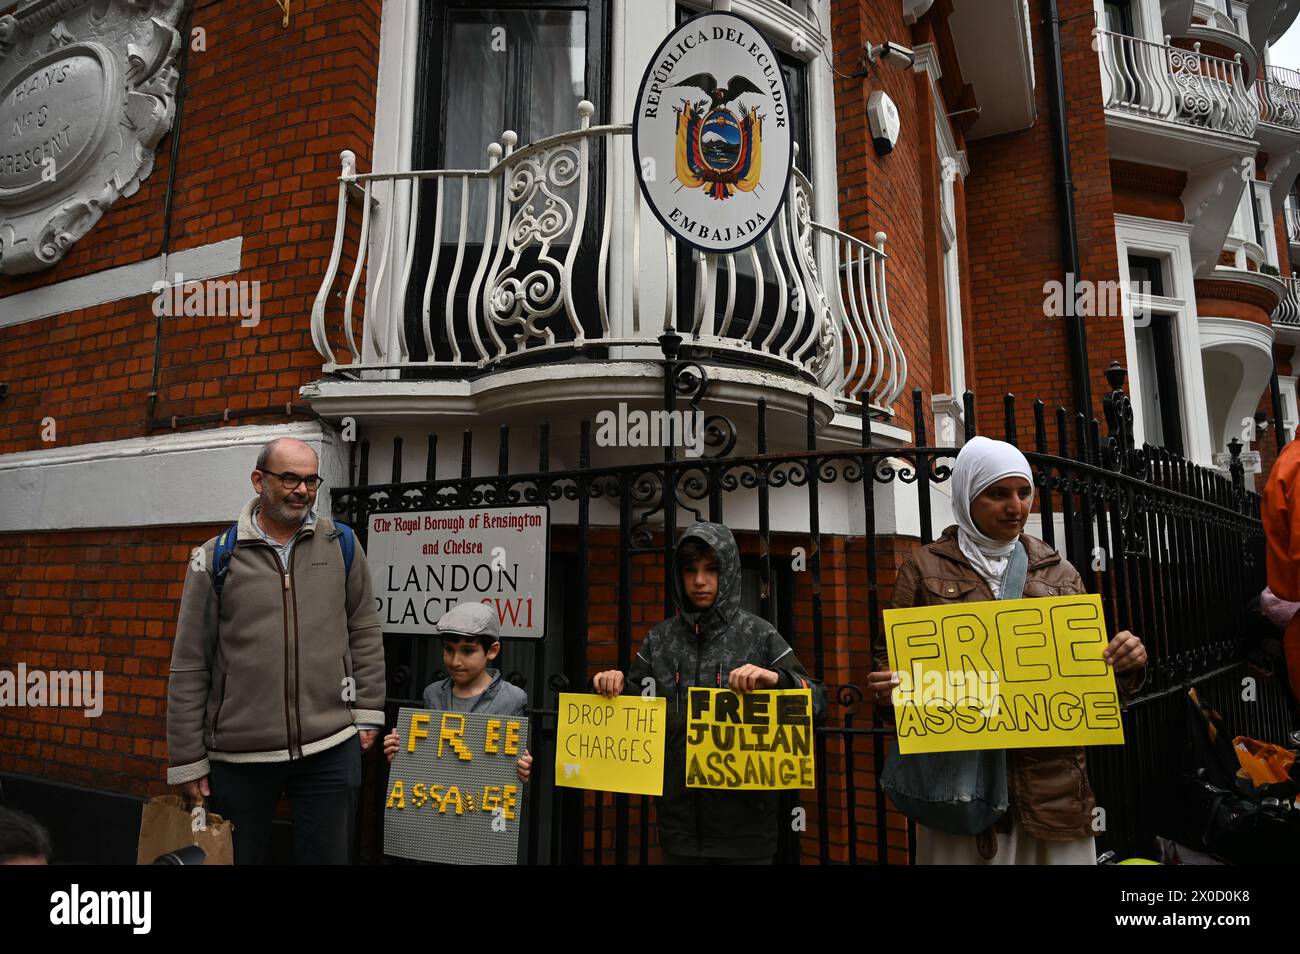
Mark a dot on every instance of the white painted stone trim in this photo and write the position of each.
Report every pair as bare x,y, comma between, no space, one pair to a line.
168,479
1169,240
126,281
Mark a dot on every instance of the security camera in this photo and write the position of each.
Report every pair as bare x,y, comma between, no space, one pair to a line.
895,54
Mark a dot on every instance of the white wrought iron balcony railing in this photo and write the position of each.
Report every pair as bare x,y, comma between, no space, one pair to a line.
1165,82
456,273
1288,309
1292,217
1279,97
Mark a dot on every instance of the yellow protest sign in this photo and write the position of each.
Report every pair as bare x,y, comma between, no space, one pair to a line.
611,745
1001,675
749,740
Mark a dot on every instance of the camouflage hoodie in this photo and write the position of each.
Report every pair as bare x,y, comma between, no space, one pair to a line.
701,648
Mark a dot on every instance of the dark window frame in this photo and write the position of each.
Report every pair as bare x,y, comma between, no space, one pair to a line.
429,132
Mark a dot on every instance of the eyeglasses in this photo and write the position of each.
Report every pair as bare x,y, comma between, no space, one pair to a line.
292,480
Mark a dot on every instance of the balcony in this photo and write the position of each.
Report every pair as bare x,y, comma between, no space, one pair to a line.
465,279
1213,23
1169,84
1279,98
1292,216
1287,313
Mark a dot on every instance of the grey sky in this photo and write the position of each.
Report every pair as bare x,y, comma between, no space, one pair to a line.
1286,52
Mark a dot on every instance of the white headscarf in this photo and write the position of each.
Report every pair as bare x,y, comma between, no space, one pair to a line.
980,463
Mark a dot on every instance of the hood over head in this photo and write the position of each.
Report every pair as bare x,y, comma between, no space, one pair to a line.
727,604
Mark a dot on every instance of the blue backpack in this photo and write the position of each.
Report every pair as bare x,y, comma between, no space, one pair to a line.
226,547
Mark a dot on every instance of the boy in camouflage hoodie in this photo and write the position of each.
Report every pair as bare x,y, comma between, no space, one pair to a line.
711,642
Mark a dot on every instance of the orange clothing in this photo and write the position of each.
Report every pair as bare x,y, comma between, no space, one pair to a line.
1281,516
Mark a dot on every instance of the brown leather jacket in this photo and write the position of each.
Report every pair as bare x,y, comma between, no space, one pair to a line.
1049,788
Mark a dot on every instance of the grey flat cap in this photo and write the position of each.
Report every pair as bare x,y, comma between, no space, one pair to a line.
469,619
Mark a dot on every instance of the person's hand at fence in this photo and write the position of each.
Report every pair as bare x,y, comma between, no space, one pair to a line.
1126,652
881,687
749,677
367,737
608,683
524,767
391,742
197,788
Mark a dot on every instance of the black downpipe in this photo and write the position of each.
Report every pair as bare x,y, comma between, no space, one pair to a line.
1076,331
182,86
1279,429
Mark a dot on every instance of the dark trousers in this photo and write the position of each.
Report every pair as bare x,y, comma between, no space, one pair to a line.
323,790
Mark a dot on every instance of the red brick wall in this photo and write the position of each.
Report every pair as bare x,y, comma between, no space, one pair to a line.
1013,218
894,193
93,600
267,112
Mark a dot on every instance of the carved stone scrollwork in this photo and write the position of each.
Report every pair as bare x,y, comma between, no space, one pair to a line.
87,90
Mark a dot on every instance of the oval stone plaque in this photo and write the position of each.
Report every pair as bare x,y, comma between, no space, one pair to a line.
52,111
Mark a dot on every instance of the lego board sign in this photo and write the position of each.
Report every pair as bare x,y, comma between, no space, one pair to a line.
453,795
712,133
749,740
424,563
1002,674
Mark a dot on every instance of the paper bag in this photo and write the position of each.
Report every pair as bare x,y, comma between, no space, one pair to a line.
166,824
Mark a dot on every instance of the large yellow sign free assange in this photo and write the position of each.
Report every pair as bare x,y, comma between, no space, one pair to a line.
1004,674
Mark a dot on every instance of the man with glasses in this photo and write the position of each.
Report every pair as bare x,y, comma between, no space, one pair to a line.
277,674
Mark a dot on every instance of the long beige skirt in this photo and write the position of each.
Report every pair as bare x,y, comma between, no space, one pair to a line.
1014,848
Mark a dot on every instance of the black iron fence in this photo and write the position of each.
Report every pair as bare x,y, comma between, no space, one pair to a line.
1174,549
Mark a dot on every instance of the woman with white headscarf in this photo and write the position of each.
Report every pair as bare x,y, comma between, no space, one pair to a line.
1051,815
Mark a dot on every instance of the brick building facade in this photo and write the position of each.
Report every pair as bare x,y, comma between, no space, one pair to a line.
126,437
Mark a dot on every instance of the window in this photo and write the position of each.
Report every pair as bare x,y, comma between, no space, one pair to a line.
1146,274
1119,17
1263,222
1158,377
486,68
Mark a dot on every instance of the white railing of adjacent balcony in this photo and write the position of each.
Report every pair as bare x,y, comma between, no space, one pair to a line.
1292,217
1160,81
1279,97
534,281
1288,309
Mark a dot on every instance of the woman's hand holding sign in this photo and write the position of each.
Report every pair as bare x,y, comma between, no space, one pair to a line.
1126,652
881,686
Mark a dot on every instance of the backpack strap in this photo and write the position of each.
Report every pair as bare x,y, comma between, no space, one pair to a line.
221,554
348,544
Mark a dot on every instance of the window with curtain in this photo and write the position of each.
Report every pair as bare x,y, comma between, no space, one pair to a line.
484,69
